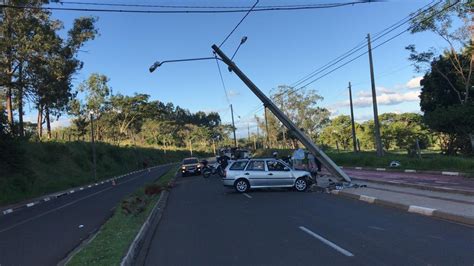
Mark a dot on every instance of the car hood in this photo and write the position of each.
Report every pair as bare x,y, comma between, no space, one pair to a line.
300,173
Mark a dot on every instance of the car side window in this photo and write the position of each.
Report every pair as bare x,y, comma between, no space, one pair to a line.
256,166
238,165
275,166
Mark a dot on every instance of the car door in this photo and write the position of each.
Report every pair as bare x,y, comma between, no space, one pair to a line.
279,174
255,172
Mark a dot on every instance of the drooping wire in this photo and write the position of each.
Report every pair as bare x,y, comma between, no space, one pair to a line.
238,24
222,80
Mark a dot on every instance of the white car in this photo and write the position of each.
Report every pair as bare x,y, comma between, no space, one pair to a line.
264,173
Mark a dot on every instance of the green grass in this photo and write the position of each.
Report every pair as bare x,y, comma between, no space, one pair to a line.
429,161
32,169
116,235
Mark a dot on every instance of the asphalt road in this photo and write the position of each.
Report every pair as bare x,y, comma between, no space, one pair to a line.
207,224
44,234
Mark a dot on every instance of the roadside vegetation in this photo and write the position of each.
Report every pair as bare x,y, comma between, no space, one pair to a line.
38,168
116,235
429,160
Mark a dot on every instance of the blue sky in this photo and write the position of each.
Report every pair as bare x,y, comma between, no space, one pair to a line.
281,48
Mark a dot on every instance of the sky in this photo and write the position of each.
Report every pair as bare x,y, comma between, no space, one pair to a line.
281,48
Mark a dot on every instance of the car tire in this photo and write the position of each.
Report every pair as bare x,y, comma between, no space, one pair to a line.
183,174
241,185
301,184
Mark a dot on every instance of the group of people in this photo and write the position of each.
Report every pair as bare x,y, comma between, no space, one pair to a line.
302,160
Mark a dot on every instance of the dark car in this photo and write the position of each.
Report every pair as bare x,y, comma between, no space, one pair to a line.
190,166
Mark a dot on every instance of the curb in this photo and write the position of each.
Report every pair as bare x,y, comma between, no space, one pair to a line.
153,219
448,173
422,187
408,208
14,208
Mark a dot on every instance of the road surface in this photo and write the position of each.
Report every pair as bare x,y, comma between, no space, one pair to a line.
44,234
206,224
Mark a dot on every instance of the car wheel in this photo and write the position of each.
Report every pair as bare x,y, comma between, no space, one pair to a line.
183,174
241,185
301,184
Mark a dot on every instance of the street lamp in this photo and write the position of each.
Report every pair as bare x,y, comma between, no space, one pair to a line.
94,160
158,63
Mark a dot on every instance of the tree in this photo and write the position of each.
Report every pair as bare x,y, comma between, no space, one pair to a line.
339,130
36,62
448,75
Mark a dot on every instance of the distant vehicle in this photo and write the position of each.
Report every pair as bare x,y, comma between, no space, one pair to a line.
264,173
190,166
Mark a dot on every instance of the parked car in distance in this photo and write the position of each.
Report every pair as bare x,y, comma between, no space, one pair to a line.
190,166
264,173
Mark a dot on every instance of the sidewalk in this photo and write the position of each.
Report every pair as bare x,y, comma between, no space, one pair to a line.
449,206
426,181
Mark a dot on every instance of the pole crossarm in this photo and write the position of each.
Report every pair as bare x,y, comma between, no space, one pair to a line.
307,142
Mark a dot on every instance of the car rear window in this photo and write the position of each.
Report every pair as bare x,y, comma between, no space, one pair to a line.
190,161
238,165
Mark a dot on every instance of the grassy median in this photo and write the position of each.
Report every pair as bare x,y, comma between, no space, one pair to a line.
116,235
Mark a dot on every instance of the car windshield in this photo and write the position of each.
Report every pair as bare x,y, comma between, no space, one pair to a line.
190,161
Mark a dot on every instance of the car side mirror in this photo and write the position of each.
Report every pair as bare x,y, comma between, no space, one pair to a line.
286,168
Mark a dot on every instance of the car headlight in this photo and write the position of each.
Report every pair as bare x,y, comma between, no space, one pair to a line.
183,167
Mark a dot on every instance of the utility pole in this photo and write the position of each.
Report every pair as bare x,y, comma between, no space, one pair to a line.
233,125
378,140
248,132
307,142
354,139
258,134
266,127
94,160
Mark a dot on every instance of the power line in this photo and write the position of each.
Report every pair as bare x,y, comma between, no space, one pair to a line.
238,24
222,80
390,29
183,11
360,55
361,45
184,6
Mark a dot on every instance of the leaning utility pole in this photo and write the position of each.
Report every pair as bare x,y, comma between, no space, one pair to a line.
233,125
354,139
307,142
378,140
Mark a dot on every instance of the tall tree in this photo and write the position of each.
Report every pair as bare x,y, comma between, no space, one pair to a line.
448,74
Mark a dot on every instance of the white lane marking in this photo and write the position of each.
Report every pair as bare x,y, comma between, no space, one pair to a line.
368,199
7,211
247,195
380,169
89,186
81,188
327,242
72,191
47,199
410,171
450,173
376,228
358,168
421,210
62,207
30,204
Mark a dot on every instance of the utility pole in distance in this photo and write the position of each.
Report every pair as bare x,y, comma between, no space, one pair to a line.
378,140
266,127
94,160
354,139
233,125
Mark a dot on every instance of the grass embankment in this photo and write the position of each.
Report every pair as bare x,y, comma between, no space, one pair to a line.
31,169
430,161
116,235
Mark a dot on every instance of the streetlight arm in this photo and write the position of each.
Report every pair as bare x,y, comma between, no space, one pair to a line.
158,63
